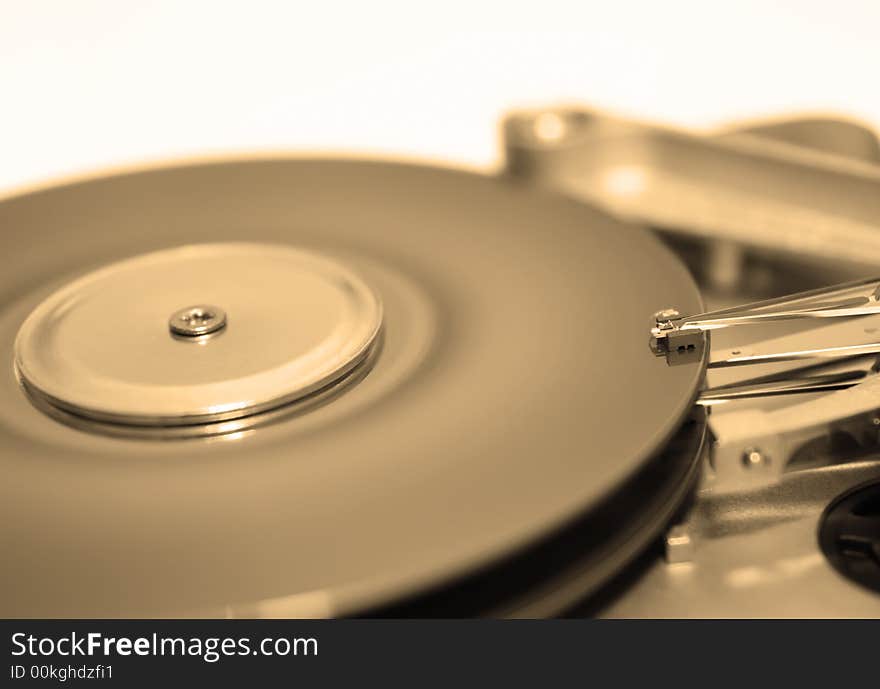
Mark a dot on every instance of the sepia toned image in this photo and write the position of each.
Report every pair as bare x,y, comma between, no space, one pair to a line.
469,311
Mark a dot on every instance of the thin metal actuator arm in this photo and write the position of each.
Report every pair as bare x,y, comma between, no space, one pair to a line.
674,335
851,299
788,384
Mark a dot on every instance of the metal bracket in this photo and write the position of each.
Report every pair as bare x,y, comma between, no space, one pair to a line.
805,190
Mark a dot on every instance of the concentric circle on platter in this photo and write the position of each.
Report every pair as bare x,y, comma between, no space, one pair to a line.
196,334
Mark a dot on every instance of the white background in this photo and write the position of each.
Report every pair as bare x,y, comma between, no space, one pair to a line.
89,83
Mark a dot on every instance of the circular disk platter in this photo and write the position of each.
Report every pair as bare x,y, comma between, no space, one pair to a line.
116,346
486,347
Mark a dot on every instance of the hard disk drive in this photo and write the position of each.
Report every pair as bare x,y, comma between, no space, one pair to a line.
631,374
